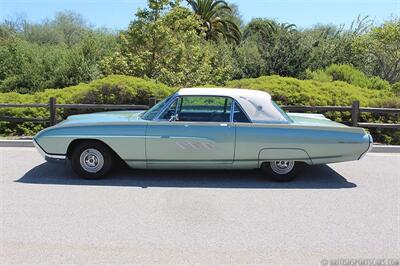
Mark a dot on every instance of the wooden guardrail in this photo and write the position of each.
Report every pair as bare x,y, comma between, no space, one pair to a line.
52,106
354,109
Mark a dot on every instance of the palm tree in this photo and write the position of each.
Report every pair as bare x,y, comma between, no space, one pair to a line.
217,18
287,27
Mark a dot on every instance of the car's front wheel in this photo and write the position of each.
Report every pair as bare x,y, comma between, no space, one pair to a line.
282,170
92,160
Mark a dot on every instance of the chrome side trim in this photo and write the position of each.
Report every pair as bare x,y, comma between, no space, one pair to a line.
49,157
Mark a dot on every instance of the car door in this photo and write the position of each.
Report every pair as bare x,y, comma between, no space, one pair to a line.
200,132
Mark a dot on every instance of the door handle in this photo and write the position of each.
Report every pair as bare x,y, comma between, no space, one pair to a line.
165,137
223,125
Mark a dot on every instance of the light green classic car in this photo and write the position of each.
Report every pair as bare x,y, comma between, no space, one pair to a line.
203,128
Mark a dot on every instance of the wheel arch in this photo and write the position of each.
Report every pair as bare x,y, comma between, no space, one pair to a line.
74,143
276,154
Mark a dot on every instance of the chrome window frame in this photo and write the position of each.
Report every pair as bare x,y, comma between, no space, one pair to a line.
244,112
167,106
177,96
162,110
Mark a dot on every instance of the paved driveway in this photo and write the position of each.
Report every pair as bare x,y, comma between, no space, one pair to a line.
343,211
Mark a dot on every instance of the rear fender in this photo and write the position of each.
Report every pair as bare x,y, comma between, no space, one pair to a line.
293,154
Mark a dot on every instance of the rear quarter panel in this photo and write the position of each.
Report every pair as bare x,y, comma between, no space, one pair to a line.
314,145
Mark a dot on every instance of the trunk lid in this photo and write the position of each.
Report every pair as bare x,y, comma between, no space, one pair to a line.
313,120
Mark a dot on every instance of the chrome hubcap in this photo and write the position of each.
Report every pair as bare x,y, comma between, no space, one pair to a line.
91,160
282,167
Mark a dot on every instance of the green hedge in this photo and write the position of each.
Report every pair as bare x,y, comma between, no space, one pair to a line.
349,74
119,89
291,91
114,89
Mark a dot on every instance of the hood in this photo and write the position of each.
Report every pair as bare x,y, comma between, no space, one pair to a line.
313,120
103,117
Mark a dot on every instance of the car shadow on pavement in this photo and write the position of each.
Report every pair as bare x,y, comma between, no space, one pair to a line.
311,177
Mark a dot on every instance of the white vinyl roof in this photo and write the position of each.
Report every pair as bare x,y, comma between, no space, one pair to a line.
257,104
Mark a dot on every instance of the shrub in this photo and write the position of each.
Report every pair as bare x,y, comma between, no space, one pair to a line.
349,74
119,89
396,88
291,91
115,89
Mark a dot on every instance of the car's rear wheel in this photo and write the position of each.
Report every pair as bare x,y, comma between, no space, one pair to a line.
92,160
281,170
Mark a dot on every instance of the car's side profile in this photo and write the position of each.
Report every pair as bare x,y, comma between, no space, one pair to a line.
203,129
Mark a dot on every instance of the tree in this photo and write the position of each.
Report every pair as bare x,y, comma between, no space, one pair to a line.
280,50
260,29
53,54
167,44
287,56
248,60
218,19
331,44
379,51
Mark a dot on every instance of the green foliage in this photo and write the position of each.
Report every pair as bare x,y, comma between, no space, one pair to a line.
248,61
170,48
287,55
56,53
118,89
379,51
110,90
396,88
274,48
291,91
349,74
218,19
66,28
330,44
207,44
188,47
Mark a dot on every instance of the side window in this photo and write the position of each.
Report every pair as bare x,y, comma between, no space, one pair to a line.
204,109
239,116
169,112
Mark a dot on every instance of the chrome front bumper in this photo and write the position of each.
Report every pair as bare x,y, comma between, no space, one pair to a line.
49,157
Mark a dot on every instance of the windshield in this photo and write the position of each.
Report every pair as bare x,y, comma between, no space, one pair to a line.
153,111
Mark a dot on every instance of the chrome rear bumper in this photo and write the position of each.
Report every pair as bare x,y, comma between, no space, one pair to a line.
371,145
49,157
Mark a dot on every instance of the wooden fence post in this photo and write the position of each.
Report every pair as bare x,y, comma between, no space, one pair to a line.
355,113
53,113
152,101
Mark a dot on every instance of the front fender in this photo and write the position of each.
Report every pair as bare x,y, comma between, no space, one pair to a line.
126,140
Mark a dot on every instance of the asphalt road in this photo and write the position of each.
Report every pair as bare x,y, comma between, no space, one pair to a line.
342,211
